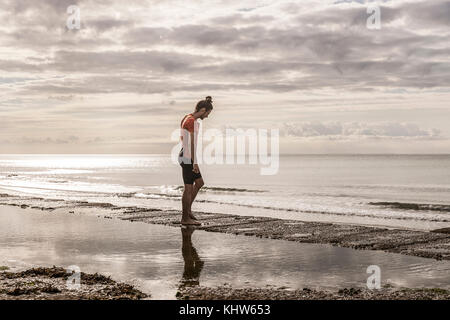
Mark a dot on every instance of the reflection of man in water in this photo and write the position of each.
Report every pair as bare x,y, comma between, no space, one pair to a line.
192,263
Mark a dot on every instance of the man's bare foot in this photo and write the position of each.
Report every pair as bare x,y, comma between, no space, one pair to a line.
190,222
192,217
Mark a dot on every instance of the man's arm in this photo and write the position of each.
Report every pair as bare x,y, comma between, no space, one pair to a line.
193,153
192,146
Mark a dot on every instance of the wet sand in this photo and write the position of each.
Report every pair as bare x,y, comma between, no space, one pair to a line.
433,244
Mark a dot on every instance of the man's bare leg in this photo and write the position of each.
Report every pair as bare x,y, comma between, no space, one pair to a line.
187,202
198,184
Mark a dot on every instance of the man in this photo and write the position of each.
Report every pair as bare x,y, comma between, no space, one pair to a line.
192,177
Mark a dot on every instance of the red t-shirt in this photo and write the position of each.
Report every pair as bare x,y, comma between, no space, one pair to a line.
188,123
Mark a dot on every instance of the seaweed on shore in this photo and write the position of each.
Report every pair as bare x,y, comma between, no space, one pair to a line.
386,293
50,283
54,272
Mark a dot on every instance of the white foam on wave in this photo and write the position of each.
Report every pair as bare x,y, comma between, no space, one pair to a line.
75,186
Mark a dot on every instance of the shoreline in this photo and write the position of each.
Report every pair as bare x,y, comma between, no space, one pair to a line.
433,244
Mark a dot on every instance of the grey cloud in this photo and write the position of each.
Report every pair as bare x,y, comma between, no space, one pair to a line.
21,6
204,35
120,111
48,140
63,98
18,66
107,61
95,140
255,52
106,24
240,19
146,36
384,129
100,84
431,13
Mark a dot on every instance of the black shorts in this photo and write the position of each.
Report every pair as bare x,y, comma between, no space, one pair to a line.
189,176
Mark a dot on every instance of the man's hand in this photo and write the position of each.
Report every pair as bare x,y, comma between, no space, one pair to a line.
196,168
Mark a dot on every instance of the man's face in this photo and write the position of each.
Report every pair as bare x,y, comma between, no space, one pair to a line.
205,115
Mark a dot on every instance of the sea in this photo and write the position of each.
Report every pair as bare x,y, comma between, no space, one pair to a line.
407,191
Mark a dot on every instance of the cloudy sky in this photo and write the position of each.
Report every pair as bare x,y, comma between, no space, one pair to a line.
122,82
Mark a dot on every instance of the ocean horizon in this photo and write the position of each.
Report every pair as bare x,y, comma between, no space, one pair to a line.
410,191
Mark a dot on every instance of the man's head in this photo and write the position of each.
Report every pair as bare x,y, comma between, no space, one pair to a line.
204,108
